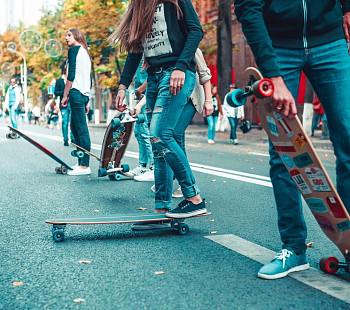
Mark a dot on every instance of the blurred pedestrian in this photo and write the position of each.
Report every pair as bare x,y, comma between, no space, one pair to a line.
36,114
168,33
78,89
234,115
318,114
12,100
213,118
65,112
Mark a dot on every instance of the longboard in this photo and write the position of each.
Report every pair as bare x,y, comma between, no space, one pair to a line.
59,225
61,170
304,166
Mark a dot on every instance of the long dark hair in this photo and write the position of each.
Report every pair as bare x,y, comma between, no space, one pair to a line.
80,38
136,22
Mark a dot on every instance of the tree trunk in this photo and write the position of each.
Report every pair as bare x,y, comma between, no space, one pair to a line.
224,58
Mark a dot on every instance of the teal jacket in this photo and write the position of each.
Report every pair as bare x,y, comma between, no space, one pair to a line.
292,24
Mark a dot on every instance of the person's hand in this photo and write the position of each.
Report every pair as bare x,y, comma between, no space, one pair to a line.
346,26
137,110
242,118
282,100
64,102
221,117
208,108
119,100
87,109
138,93
177,80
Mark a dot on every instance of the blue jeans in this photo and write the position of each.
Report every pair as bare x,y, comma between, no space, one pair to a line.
13,116
66,118
164,113
328,69
143,138
233,124
211,126
78,123
316,119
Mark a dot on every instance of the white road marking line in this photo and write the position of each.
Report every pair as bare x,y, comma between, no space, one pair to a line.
259,154
312,277
220,172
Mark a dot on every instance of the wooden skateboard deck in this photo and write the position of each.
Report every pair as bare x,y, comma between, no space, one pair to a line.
60,224
61,170
114,144
304,166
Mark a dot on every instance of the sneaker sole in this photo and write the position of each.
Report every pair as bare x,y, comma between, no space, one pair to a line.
185,215
283,274
177,196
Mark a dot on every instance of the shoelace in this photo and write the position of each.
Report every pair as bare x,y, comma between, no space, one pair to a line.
283,255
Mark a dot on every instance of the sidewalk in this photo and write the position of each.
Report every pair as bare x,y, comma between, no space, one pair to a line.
255,136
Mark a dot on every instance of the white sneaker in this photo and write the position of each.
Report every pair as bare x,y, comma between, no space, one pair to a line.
147,176
79,171
178,193
211,141
153,188
136,171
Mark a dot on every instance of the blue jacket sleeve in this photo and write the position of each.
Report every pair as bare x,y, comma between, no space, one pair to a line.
131,64
72,62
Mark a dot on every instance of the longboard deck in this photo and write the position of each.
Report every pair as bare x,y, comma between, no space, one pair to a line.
115,219
306,169
60,224
40,147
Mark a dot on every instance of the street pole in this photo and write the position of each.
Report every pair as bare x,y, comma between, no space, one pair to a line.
11,47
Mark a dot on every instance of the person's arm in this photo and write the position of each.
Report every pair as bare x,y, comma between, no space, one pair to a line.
72,64
250,14
208,107
59,88
141,90
346,19
194,36
201,67
18,97
131,64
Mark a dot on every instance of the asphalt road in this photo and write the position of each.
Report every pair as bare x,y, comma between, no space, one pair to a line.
112,267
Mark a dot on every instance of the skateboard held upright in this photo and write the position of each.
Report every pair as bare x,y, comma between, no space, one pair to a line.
304,166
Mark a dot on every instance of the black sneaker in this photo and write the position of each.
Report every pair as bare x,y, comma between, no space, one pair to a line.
66,143
187,209
150,225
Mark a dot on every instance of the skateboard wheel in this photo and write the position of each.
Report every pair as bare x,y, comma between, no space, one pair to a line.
102,172
183,229
125,167
58,235
115,177
8,136
263,88
64,170
236,99
58,170
140,119
80,154
116,122
13,135
74,153
329,264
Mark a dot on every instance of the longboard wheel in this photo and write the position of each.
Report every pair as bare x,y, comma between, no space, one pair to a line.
58,170
263,88
58,235
13,135
8,136
183,229
140,119
64,170
116,122
236,98
74,153
329,264
125,167
80,154
102,172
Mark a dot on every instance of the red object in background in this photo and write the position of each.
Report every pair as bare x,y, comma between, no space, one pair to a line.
302,84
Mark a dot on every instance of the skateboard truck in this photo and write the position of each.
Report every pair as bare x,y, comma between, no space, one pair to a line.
125,118
262,88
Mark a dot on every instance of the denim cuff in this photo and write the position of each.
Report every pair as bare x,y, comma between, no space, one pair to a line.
190,191
160,204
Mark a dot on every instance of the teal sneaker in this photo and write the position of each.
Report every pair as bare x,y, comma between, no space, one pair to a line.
284,263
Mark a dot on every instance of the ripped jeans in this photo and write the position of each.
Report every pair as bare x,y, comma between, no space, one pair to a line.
165,116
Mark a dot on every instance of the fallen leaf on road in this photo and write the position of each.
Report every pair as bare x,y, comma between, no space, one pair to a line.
214,232
211,220
213,180
49,186
96,211
84,261
208,202
310,244
251,168
224,181
159,272
73,181
79,300
17,283
142,209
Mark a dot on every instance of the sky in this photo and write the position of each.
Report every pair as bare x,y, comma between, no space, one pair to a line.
27,11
